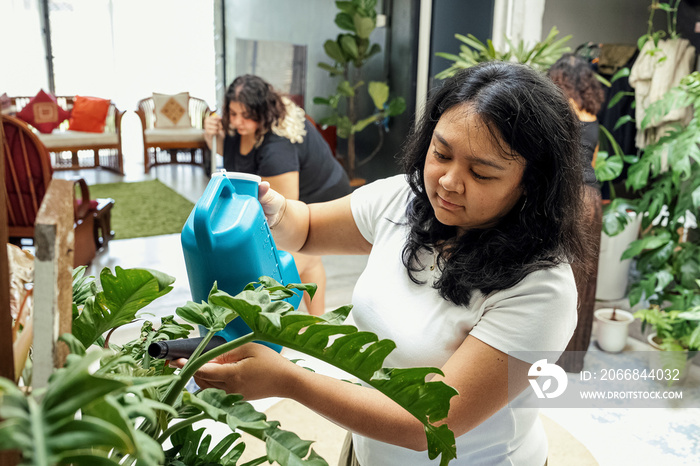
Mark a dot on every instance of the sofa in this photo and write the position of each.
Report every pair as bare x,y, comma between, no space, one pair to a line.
72,150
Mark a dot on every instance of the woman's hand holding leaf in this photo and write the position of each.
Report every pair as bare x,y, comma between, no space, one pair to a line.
252,370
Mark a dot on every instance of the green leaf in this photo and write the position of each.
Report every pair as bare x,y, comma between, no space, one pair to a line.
346,89
396,107
616,216
608,168
621,73
123,295
623,120
362,124
287,448
333,50
83,287
349,46
379,92
334,71
363,26
617,97
648,242
345,21
226,408
343,127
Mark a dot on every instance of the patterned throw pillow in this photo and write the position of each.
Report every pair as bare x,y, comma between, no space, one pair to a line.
6,105
43,112
89,114
171,110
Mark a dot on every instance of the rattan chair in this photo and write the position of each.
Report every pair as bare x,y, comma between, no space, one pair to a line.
174,145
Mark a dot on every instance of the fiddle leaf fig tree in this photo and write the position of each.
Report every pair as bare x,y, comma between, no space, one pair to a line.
349,52
115,405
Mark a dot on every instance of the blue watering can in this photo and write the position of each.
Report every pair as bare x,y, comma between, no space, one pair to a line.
226,239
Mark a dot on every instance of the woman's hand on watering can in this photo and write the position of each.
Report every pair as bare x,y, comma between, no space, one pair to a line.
273,203
252,370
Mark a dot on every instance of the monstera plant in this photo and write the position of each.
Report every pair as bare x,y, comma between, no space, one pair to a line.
115,405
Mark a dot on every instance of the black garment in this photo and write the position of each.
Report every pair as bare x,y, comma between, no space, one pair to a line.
321,177
589,141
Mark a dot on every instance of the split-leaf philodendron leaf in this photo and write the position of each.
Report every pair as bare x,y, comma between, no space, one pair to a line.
358,353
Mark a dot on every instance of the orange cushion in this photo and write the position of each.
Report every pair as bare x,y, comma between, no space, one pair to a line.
43,112
89,114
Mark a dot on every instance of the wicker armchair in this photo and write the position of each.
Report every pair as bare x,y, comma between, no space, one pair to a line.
174,145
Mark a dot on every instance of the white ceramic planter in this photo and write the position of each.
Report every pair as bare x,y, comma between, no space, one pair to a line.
612,334
613,273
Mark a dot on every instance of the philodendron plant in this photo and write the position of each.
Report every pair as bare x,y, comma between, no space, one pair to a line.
115,405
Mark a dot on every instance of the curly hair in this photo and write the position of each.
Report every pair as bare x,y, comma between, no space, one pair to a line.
576,78
262,102
524,110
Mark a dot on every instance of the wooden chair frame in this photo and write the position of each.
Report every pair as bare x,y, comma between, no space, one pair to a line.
112,160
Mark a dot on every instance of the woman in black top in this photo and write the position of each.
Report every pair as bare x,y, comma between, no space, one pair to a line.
576,78
268,135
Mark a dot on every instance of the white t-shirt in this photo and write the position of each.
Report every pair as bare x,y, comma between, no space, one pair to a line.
537,314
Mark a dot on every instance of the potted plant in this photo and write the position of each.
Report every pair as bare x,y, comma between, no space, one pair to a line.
620,221
539,56
350,51
668,251
621,216
115,404
613,328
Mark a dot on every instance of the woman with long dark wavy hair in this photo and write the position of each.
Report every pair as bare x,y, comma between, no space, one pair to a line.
264,133
470,257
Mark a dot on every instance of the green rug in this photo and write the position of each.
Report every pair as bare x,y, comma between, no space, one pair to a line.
145,208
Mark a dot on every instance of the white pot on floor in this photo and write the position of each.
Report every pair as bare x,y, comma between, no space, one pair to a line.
612,334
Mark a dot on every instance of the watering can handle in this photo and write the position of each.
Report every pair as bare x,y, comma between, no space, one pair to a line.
219,187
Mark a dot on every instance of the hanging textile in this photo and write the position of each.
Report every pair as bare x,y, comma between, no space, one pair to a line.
652,78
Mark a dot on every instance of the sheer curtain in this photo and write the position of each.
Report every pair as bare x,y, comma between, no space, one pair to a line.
118,49
23,66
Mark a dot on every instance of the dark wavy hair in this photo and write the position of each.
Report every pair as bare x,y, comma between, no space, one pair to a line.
524,110
262,102
577,80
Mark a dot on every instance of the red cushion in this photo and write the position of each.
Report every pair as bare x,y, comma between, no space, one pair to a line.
89,114
92,203
43,112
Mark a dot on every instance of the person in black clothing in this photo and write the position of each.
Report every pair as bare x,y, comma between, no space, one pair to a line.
264,133
575,77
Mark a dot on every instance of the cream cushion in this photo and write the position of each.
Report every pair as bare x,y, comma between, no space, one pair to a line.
77,138
157,135
172,110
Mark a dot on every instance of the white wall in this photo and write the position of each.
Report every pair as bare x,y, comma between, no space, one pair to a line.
601,21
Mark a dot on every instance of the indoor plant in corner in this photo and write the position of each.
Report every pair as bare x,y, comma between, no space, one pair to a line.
349,52
668,251
115,404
